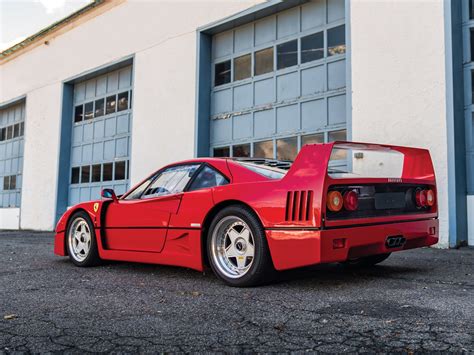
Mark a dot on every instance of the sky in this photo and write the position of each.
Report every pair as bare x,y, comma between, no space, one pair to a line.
22,18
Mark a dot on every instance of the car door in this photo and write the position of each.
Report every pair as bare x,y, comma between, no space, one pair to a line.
197,200
139,221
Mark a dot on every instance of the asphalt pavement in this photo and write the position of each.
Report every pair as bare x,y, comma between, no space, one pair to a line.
419,300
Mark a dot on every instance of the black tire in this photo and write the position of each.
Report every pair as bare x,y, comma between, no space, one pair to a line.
367,261
261,270
92,257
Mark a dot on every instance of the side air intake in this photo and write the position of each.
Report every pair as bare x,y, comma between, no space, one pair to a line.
299,205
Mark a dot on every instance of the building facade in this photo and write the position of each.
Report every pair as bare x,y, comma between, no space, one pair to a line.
120,88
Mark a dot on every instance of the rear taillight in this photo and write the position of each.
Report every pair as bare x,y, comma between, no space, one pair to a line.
425,198
334,201
420,198
430,198
351,200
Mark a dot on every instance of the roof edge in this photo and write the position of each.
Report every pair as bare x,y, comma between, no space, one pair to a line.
18,48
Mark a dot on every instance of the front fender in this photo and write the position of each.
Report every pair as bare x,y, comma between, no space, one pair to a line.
92,208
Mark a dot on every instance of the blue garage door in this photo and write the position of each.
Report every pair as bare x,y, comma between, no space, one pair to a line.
280,83
12,127
102,118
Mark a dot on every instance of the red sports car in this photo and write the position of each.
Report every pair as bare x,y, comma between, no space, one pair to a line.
247,218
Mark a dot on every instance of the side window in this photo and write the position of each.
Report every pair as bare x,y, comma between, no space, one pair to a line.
171,181
135,194
207,178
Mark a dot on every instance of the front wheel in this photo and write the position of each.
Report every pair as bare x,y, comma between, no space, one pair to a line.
237,248
367,260
81,242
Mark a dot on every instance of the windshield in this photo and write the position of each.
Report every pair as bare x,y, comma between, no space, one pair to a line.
267,171
367,161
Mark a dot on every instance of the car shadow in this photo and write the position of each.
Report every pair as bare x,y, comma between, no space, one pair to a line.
332,275
324,275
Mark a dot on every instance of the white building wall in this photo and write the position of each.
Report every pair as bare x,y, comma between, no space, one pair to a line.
40,162
10,218
398,81
162,36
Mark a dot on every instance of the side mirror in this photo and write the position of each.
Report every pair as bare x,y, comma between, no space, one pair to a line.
109,193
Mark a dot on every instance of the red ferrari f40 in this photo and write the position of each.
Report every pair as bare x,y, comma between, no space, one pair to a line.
247,218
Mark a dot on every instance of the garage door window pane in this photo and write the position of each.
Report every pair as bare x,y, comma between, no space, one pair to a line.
89,111
264,61
287,148
222,74
472,86
337,136
85,174
9,132
338,154
110,104
243,67
107,173
16,130
122,101
78,113
96,170
3,133
471,10
312,47
263,150
241,151
337,40
120,170
99,107
222,152
13,182
6,183
75,175
312,139
471,35
287,54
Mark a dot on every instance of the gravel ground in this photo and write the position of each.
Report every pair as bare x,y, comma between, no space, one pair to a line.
416,300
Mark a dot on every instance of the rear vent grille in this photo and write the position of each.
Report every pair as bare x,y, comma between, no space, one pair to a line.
299,205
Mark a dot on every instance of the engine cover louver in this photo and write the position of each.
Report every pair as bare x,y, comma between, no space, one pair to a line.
299,205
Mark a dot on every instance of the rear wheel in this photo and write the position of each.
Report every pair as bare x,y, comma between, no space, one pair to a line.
237,248
367,260
81,242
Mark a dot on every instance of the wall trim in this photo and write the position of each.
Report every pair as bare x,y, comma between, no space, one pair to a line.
12,102
455,123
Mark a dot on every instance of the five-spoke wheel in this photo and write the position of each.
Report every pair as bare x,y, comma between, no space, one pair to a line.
81,243
79,239
237,248
233,246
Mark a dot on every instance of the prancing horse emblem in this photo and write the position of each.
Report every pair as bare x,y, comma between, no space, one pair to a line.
96,206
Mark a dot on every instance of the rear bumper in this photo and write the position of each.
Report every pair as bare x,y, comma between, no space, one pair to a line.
295,248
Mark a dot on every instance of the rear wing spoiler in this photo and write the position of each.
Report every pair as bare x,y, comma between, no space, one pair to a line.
349,160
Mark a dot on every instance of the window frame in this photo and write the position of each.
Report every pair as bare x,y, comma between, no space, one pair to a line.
152,177
198,171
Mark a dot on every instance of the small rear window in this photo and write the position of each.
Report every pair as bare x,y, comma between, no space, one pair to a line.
368,161
268,172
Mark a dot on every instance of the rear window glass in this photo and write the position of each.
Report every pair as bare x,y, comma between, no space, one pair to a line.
367,161
269,172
